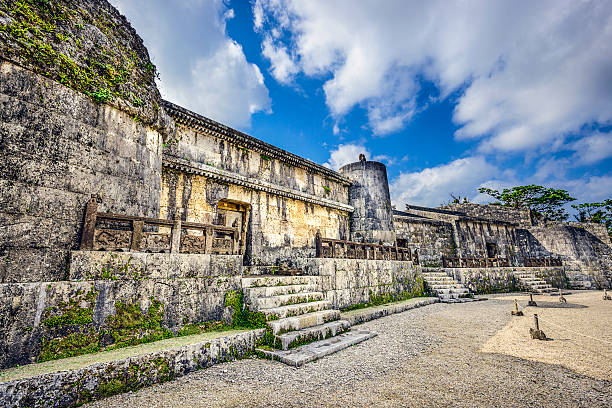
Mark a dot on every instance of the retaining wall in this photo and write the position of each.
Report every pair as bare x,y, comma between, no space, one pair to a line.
347,282
76,387
493,280
170,290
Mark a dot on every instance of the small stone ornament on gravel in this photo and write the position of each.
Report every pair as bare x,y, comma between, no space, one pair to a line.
537,334
531,301
516,312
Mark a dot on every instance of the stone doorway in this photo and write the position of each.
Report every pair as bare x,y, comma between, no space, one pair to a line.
491,250
231,213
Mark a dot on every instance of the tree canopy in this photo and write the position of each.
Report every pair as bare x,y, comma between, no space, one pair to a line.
546,204
595,212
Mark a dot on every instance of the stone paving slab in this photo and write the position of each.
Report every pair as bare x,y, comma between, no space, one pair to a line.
318,349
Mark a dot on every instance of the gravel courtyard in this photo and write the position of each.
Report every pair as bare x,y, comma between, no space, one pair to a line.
424,357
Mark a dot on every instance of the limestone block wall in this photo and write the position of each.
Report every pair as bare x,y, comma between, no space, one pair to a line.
279,228
347,282
209,143
58,147
177,289
518,216
495,280
473,237
584,253
431,238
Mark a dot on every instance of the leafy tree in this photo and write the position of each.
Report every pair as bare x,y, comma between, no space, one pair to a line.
546,204
596,212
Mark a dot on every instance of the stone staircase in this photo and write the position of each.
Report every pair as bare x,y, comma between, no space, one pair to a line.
448,289
297,315
531,282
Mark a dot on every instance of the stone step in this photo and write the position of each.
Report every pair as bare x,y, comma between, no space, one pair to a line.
267,291
460,300
429,275
299,356
441,280
270,302
303,321
296,310
271,280
272,270
442,292
308,335
448,286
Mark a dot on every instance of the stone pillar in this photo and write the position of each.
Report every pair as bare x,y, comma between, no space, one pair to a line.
372,219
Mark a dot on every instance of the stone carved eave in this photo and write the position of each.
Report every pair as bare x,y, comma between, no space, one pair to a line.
225,176
210,127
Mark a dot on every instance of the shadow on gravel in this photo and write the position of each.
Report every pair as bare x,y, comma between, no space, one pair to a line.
558,305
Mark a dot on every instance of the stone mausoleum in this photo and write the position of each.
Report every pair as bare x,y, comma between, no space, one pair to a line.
114,200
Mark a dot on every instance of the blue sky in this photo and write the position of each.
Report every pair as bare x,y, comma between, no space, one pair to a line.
451,97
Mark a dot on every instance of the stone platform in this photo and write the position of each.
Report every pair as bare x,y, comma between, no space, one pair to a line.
313,351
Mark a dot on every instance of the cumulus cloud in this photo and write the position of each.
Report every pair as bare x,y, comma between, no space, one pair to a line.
345,154
593,148
201,68
530,72
432,186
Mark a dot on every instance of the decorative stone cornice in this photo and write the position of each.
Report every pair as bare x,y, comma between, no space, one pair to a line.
208,126
243,181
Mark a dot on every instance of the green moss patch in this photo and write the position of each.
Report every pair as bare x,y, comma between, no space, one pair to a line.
86,46
130,326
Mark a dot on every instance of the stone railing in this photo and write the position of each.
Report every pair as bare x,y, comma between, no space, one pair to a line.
467,262
116,232
550,261
337,248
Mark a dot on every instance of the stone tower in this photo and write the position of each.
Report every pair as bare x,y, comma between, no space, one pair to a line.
372,220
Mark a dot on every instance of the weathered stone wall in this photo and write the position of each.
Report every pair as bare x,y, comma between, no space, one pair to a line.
472,234
584,253
495,280
347,282
287,203
518,216
433,239
171,290
76,387
475,235
58,147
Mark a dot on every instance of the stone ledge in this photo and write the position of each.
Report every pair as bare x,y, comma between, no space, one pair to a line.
375,312
68,383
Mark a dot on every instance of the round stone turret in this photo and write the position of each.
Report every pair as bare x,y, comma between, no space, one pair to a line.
372,220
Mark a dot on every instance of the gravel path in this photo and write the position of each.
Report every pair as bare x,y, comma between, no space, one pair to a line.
421,358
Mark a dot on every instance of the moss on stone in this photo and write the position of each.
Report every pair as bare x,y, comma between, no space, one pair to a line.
130,326
85,45
74,344
242,317
72,312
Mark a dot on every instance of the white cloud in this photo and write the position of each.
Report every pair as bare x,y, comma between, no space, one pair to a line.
345,154
433,186
283,67
593,148
532,71
201,68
